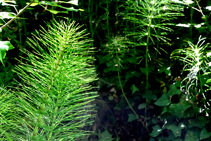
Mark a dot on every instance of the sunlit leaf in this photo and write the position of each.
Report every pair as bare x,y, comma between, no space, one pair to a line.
69,9
7,15
156,131
4,46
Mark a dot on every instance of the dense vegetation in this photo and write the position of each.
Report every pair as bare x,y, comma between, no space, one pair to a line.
152,59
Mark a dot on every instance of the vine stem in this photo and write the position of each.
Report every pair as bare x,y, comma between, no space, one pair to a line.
17,15
121,87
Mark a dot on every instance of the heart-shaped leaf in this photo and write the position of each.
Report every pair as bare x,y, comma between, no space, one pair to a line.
164,100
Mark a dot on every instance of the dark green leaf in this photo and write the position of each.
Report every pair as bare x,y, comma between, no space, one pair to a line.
176,130
141,106
204,134
164,110
149,95
164,100
191,136
134,89
168,71
156,131
179,108
132,117
106,136
173,90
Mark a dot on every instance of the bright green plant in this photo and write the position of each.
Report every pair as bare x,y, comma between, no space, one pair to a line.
196,63
6,45
54,95
117,49
152,21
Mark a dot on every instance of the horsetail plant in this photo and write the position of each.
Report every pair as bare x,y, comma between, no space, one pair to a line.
196,63
55,94
152,20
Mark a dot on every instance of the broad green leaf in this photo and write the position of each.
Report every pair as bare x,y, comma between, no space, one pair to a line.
134,89
176,130
106,136
141,106
149,95
5,45
173,90
204,134
179,108
132,117
197,123
156,131
145,70
168,71
191,136
2,56
208,81
164,110
7,15
164,100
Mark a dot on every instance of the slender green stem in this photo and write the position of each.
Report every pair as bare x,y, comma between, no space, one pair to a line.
191,21
17,15
121,87
107,11
90,18
147,51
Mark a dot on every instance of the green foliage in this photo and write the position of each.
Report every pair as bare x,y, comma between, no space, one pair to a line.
151,21
54,98
125,33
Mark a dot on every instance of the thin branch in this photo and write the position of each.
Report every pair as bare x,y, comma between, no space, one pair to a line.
20,12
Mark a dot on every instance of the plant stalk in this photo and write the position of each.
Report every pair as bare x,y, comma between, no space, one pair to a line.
17,15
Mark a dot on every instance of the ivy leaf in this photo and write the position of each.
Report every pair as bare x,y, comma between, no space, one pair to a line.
105,136
176,130
132,117
141,106
164,110
191,136
149,95
164,100
156,131
4,46
134,89
204,134
179,108
168,71
173,90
